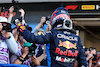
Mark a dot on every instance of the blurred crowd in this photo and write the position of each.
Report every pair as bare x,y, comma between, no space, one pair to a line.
27,54
92,57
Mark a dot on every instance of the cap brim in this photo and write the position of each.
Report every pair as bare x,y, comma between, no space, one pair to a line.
5,22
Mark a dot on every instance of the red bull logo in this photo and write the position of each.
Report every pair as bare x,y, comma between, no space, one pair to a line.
66,52
67,44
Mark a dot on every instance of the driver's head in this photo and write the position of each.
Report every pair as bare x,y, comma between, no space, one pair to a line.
60,19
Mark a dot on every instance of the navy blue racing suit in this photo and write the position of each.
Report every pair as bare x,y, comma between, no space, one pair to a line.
65,47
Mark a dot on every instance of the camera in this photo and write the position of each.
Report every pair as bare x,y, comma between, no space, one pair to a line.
7,27
47,20
15,4
19,20
32,50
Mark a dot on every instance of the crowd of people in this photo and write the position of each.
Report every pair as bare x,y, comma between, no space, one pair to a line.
92,57
56,46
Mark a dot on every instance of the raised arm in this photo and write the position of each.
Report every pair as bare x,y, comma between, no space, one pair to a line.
49,27
43,19
21,59
22,15
11,9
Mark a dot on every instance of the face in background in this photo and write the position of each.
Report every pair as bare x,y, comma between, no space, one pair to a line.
87,52
14,31
25,50
99,61
43,19
93,51
1,27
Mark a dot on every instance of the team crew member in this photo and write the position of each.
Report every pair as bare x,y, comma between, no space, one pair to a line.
65,47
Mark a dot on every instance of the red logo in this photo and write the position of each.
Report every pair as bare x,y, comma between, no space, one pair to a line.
67,52
7,14
73,7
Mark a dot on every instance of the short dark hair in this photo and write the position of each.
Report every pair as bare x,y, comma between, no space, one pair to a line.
92,48
86,49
